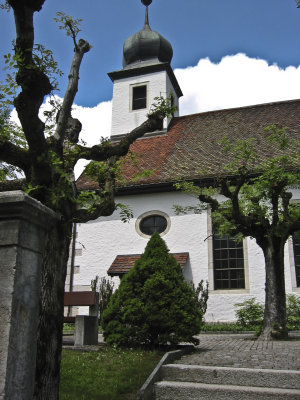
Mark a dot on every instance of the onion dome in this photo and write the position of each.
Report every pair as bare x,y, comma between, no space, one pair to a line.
146,45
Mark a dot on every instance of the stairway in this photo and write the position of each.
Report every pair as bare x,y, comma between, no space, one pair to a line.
194,382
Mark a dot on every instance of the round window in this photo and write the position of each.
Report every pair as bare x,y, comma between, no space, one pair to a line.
153,223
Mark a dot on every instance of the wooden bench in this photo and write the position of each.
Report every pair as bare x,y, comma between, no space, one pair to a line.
86,326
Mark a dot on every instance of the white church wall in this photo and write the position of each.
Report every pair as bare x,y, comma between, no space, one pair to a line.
170,89
102,240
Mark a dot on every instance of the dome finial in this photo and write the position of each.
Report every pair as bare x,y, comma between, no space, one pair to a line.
146,3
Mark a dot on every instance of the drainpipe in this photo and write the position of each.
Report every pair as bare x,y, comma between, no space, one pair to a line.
73,249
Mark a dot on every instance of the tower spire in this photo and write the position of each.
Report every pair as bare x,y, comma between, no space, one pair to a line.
146,4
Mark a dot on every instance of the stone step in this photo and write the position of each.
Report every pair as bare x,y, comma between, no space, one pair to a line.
167,390
232,376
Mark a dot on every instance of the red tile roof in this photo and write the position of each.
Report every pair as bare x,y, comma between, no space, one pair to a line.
123,263
191,149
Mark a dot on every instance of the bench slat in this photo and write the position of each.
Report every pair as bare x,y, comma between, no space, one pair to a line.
69,320
80,298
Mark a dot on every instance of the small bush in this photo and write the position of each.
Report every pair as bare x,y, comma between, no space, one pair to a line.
105,287
293,311
201,295
153,305
250,313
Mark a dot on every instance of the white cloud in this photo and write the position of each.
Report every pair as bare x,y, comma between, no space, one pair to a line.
235,81
96,123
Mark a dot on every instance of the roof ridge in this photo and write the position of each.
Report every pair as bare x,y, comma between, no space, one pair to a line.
233,109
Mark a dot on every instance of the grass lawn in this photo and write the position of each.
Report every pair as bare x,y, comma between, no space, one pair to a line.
109,374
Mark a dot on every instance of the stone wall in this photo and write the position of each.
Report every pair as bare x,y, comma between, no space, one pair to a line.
23,224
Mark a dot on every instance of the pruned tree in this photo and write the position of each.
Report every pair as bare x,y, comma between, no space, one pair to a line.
252,196
47,159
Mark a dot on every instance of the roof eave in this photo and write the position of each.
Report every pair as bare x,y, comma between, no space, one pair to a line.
146,69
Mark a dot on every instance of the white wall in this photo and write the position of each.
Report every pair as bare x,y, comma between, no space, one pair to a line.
102,240
123,119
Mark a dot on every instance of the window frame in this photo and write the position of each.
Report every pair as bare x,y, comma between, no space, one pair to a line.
295,288
223,261
152,214
131,97
211,280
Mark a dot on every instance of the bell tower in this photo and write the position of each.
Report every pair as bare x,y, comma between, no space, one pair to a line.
146,74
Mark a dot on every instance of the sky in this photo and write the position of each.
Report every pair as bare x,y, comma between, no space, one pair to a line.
226,53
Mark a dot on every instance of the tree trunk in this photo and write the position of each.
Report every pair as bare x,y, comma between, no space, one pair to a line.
274,326
51,312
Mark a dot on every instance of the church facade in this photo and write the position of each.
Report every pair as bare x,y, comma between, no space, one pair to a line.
183,149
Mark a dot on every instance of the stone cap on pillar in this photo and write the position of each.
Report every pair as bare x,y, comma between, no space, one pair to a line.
16,204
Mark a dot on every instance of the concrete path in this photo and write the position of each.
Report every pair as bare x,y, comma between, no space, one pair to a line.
239,351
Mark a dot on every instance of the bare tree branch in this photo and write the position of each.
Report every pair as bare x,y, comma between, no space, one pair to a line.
34,83
209,200
16,184
105,202
65,112
14,155
103,152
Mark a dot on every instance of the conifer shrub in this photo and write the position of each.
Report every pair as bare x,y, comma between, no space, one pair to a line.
153,305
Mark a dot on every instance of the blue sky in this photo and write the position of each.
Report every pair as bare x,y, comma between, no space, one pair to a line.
227,54
264,29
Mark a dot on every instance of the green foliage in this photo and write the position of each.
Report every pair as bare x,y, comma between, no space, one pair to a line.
42,59
55,104
125,212
108,374
105,287
249,313
10,132
293,311
261,187
67,23
153,305
201,295
163,104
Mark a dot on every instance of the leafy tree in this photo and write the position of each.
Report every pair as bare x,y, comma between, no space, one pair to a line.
153,305
252,197
47,159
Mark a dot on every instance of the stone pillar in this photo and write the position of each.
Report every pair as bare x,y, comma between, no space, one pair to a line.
23,226
86,330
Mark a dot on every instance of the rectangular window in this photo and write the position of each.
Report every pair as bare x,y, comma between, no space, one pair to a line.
228,263
296,245
139,97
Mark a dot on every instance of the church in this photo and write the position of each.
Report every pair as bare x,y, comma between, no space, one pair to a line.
183,149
